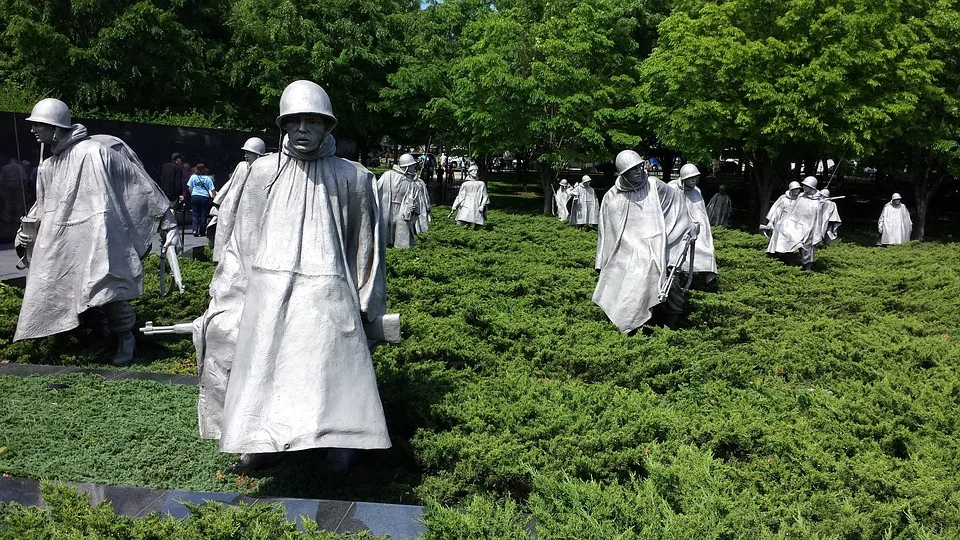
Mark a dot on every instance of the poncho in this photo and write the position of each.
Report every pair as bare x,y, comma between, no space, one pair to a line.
641,232
225,206
422,223
98,213
705,260
585,210
719,210
562,202
895,225
471,202
283,358
398,201
797,227
829,225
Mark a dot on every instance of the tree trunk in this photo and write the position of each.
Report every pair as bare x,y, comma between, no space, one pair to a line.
545,171
925,187
522,171
666,158
769,172
483,166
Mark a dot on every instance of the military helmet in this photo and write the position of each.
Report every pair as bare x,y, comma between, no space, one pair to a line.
473,169
627,160
896,197
585,178
406,160
255,145
51,111
810,182
688,171
563,182
794,185
305,97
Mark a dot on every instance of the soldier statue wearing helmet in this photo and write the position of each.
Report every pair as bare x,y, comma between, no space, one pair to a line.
705,261
399,202
645,229
720,208
282,351
796,224
562,200
895,225
96,215
584,208
472,200
224,205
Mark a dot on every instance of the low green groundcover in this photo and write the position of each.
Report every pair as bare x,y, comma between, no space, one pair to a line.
789,404
68,515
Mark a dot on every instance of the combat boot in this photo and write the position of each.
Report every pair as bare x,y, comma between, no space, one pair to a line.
126,346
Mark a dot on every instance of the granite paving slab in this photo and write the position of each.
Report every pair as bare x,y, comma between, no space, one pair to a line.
397,520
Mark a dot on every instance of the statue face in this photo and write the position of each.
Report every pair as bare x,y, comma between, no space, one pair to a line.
794,193
632,175
306,132
249,156
44,133
896,203
690,183
809,191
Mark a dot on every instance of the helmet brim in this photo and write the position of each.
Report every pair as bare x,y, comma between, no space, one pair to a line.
34,120
331,119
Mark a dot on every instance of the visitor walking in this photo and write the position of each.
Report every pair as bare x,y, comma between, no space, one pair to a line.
202,193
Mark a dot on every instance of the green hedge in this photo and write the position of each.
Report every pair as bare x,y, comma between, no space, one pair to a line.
69,516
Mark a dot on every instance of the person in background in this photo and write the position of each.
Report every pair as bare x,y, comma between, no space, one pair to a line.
171,178
202,193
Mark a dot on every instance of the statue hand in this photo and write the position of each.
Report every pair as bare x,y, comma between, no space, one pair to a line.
24,239
171,238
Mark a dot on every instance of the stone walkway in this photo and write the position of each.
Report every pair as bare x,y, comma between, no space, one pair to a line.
398,521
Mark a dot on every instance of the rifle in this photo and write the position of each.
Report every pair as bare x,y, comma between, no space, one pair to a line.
383,329
169,256
689,244
836,168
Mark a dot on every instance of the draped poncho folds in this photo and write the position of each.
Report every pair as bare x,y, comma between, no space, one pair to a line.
585,209
225,206
719,210
895,225
471,202
801,223
705,260
398,204
641,229
283,358
98,213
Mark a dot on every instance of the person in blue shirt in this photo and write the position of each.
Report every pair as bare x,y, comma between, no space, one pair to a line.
202,193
